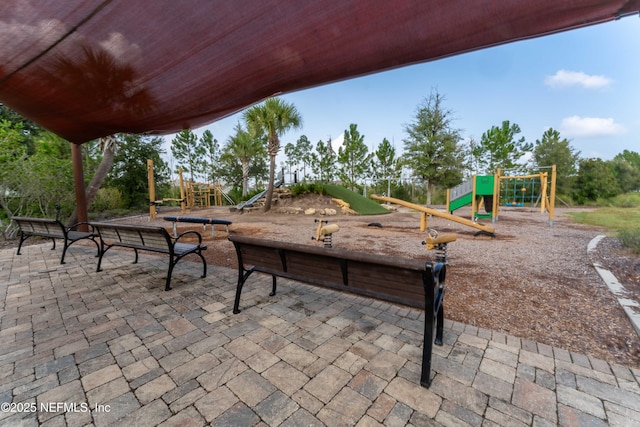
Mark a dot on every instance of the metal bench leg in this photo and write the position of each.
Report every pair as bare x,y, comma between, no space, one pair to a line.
429,318
273,286
102,251
167,286
439,326
22,239
64,249
425,376
242,277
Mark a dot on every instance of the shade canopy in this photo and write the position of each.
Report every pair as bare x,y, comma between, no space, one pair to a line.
90,68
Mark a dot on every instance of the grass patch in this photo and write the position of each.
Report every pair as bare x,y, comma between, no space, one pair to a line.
358,203
611,218
621,216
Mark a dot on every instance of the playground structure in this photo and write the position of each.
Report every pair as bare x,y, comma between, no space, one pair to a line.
507,191
191,194
425,211
324,232
200,195
260,195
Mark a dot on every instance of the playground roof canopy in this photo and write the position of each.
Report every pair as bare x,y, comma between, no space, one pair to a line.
90,68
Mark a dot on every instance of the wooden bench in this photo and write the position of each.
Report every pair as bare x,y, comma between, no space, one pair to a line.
148,238
203,221
404,281
53,229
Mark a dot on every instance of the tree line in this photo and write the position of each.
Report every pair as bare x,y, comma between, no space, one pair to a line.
36,174
435,156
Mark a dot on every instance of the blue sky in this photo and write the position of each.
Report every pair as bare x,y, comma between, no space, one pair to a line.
584,83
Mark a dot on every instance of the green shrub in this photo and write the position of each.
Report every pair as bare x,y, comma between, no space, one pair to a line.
107,199
630,238
306,188
628,200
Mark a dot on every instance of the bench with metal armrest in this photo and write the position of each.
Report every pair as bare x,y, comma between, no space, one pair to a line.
148,238
54,229
404,281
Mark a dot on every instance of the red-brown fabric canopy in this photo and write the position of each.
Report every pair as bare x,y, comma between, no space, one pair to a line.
90,68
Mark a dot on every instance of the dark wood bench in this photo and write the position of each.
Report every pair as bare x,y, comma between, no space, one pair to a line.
404,281
53,229
195,220
148,238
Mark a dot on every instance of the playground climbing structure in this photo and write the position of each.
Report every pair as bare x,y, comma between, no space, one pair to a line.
477,192
191,194
503,190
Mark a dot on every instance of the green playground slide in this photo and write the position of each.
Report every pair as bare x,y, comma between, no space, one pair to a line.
460,202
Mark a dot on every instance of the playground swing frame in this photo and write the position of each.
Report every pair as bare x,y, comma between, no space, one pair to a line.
547,185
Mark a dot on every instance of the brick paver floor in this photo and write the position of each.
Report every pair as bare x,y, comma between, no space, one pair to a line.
112,348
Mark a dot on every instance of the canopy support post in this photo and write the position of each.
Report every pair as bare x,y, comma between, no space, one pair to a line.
78,181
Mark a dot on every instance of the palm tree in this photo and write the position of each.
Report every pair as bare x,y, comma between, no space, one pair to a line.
245,147
273,118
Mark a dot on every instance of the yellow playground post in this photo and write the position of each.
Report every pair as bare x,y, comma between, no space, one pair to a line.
153,203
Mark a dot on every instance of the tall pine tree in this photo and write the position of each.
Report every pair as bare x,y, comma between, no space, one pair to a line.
187,152
432,146
353,158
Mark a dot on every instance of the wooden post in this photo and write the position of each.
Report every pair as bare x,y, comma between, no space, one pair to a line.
496,196
448,199
183,203
544,176
423,221
474,206
152,190
552,196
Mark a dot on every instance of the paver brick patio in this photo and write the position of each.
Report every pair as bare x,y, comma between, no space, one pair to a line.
136,355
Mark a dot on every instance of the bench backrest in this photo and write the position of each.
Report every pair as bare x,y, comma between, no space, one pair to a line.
134,236
41,226
394,279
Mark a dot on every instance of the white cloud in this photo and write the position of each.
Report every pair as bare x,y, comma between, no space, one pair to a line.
586,127
564,78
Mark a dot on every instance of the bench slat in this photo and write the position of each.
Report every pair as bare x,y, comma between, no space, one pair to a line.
318,267
256,255
404,286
